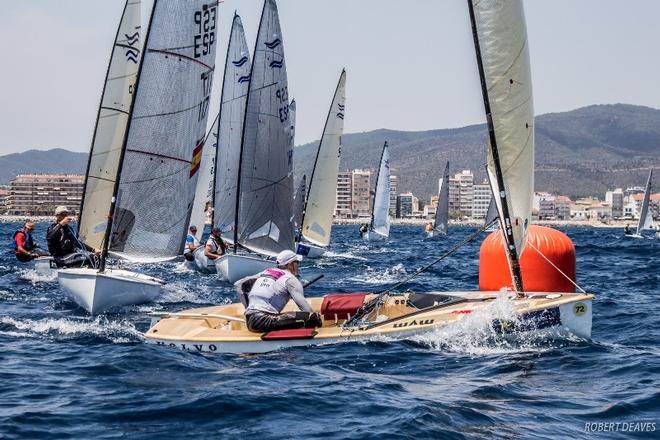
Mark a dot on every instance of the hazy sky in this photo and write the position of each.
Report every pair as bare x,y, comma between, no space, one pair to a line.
410,63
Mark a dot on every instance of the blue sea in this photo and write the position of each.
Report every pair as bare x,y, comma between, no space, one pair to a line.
67,375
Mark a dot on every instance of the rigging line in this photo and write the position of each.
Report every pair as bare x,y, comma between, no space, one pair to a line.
180,55
366,308
553,265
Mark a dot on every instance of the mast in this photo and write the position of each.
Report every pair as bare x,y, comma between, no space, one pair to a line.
376,187
505,221
318,152
240,160
111,214
222,96
96,124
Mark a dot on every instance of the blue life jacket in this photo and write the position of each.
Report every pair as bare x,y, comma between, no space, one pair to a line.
29,242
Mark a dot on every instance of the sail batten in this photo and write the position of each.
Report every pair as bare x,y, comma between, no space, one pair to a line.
380,217
321,198
265,183
166,131
111,125
232,113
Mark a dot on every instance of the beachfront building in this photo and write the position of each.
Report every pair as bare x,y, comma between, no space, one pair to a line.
393,193
615,199
654,204
40,194
481,200
361,193
562,208
407,205
461,193
344,195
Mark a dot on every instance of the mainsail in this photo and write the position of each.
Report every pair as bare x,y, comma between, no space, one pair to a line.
265,203
166,131
500,39
204,192
110,131
299,202
492,212
321,198
645,215
442,210
232,113
380,217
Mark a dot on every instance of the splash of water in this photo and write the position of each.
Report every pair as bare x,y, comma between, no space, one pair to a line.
118,332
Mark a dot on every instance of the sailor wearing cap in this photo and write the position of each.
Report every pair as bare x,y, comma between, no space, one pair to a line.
265,294
66,249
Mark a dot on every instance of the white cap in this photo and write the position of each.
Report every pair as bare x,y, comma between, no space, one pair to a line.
61,210
286,257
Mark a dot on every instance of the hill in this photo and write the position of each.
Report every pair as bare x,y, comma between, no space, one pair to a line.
57,160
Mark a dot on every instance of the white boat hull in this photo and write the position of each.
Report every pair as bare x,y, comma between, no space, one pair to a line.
432,235
97,292
373,236
309,250
43,264
233,267
202,263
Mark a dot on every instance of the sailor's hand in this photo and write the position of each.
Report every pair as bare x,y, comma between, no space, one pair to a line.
65,221
96,251
315,319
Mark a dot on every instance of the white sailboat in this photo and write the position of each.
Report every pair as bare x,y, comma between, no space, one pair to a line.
503,60
146,150
263,199
314,236
442,210
379,227
645,214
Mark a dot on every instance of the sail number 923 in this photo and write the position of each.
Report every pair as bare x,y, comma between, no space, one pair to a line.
205,35
283,101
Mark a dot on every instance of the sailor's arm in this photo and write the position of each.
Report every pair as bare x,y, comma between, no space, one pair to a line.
243,287
296,291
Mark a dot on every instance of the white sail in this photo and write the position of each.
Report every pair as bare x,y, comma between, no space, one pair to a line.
492,212
265,207
502,39
232,114
110,131
321,198
645,214
166,132
380,219
442,210
204,191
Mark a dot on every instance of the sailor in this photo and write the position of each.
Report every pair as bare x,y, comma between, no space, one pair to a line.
429,227
25,248
363,230
627,230
215,247
265,294
66,249
192,243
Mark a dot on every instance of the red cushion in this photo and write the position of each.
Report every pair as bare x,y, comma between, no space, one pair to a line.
297,333
341,305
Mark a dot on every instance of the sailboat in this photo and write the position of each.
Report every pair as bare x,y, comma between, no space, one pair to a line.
645,214
442,210
299,202
379,226
314,236
262,225
146,150
203,201
503,60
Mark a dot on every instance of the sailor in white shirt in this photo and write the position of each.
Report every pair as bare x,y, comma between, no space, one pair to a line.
215,247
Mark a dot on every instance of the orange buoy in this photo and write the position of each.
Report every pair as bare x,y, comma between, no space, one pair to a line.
537,273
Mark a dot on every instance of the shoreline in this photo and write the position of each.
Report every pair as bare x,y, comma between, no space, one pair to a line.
407,222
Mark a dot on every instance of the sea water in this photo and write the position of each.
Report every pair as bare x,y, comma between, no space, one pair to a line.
64,374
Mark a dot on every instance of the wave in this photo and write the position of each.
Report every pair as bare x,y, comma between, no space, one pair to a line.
116,331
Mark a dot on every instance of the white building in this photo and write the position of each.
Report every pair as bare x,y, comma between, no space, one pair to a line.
481,200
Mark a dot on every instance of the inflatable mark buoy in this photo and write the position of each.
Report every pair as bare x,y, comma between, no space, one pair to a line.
538,275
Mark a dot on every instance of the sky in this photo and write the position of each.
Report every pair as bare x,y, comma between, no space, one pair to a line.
410,64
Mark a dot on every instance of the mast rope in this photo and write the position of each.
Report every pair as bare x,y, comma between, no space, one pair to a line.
553,265
378,300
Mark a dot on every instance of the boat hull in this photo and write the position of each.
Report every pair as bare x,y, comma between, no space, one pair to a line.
309,250
202,263
98,292
233,267
433,235
44,264
208,330
374,236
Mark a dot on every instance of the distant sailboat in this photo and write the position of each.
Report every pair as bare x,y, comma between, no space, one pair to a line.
379,227
299,202
263,199
645,214
314,236
146,150
442,210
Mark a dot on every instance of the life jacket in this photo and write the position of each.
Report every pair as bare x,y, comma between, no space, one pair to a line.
29,242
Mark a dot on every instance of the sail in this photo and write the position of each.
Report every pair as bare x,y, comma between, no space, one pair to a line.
232,112
442,210
502,41
321,199
265,206
380,220
110,131
299,202
166,131
204,192
645,214
492,212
